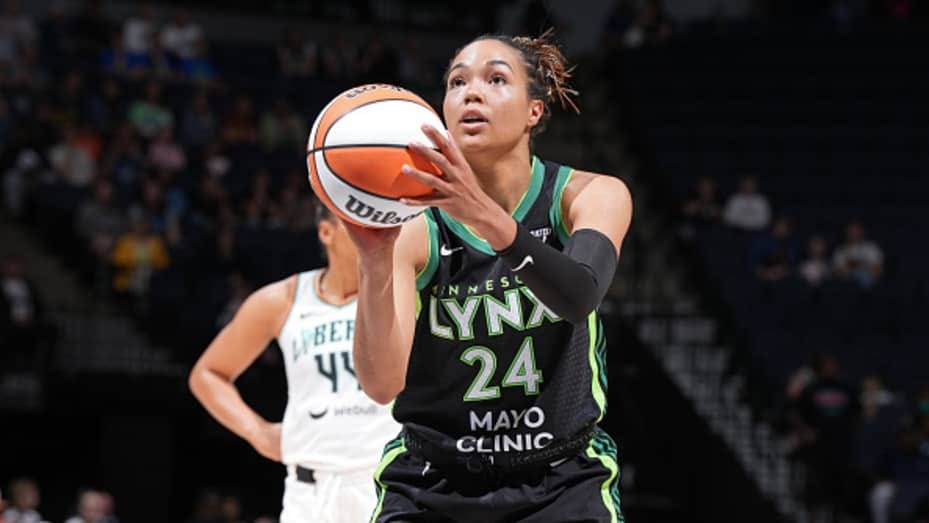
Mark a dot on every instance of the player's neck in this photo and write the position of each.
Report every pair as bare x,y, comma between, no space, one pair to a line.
505,179
337,284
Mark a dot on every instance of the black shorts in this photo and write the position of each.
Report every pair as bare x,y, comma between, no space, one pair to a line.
584,488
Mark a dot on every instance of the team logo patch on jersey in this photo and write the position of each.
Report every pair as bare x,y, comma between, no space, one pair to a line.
542,233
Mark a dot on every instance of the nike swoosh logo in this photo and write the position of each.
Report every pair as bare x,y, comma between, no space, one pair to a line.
445,251
317,416
526,261
306,315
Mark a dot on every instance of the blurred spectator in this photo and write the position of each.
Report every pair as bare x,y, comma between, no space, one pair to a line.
340,59
92,507
22,317
199,125
281,128
161,65
215,161
747,209
24,502
17,32
99,221
265,519
137,254
702,207
775,253
123,161
859,258
153,205
139,32
72,160
106,108
298,57
652,26
620,18
207,508
230,510
874,396
166,155
904,483
829,408
181,37
816,269
239,126
69,101
17,181
149,115
198,67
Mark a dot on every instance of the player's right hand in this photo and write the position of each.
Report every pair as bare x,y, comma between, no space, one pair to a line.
267,440
372,242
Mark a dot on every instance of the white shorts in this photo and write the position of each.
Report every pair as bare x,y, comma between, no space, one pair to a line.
334,497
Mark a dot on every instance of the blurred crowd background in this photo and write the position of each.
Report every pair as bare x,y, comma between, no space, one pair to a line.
773,294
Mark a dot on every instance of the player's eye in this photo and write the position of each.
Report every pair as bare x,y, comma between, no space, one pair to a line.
455,81
497,79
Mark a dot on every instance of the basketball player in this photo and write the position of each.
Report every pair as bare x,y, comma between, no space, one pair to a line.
481,317
332,434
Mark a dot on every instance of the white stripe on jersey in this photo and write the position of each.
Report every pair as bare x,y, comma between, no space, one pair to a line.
329,423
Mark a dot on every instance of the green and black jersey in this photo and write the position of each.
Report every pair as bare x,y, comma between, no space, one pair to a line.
492,369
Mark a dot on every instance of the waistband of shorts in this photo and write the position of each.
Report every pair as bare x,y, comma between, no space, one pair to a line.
302,472
476,462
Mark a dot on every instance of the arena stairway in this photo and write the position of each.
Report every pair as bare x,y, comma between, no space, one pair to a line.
93,335
653,291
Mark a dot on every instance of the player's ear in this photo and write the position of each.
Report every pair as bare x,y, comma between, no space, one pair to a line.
325,230
536,110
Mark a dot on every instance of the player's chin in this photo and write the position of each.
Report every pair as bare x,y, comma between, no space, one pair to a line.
472,142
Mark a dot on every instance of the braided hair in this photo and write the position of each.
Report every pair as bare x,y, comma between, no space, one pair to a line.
546,68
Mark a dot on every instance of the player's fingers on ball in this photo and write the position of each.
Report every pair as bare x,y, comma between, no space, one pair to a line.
433,156
437,137
427,179
433,200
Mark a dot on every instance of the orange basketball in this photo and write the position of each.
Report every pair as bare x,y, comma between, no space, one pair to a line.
356,149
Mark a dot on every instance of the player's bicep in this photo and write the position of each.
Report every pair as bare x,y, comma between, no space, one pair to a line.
252,328
603,204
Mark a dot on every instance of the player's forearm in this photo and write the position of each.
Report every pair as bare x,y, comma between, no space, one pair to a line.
222,400
380,347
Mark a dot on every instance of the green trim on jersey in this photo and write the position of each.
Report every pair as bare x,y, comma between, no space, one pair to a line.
522,208
392,450
603,449
432,257
555,214
597,360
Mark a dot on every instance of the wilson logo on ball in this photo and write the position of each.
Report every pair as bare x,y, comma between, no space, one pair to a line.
356,149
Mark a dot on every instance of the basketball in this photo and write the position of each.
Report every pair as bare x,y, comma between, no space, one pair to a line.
357,147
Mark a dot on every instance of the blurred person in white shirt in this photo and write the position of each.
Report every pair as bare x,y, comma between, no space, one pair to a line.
859,258
747,209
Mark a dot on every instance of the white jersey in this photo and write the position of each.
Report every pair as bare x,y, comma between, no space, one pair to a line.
329,424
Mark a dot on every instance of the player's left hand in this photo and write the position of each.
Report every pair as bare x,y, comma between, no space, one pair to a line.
457,191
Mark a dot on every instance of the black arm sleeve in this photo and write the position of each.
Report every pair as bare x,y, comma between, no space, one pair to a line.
571,283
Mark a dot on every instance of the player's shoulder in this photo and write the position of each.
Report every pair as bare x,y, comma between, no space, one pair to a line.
276,296
604,185
413,242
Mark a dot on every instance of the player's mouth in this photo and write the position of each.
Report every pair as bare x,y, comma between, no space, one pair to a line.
472,120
